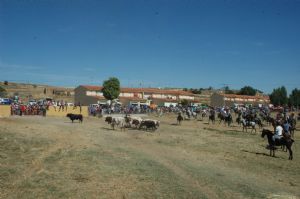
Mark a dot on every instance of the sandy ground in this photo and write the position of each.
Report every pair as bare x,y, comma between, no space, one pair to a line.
53,158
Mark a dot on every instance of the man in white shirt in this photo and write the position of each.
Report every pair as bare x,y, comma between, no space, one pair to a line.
278,132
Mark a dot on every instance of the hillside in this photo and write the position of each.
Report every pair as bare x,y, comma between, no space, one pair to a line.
35,91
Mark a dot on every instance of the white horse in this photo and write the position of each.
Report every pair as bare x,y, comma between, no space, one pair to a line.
249,124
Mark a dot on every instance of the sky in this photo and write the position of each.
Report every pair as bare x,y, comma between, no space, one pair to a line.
152,43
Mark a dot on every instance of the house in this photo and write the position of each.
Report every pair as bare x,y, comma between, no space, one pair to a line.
86,94
220,99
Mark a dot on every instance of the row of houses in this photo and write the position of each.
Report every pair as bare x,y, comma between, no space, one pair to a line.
220,99
87,94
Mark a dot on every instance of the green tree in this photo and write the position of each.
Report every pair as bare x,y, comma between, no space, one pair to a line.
184,102
294,99
195,91
247,90
3,92
228,90
111,88
279,96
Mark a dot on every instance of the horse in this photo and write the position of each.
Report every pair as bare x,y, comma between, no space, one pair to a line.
292,122
227,119
212,118
258,122
284,141
271,121
179,119
247,124
238,120
203,114
194,114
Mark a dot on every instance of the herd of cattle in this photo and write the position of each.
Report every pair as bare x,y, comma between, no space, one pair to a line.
132,122
245,120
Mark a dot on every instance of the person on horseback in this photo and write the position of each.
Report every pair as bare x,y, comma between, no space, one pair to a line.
278,132
286,127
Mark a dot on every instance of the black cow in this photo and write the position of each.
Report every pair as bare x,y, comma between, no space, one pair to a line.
75,117
109,119
148,124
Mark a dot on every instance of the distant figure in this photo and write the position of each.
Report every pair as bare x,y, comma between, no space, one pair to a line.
179,119
80,109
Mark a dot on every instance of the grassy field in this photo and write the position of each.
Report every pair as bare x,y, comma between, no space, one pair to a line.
53,158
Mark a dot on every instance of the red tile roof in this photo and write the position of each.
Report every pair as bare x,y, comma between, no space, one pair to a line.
246,96
133,98
145,90
98,97
92,88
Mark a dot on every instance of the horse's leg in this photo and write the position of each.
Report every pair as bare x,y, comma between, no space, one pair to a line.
290,151
270,151
292,133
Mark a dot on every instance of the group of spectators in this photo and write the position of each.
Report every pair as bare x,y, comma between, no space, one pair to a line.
101,109
63,105
28,109
40,107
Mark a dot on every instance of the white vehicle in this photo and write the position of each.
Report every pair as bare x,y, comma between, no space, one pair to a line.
32,102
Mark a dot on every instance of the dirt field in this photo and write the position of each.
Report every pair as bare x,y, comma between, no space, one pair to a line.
53,158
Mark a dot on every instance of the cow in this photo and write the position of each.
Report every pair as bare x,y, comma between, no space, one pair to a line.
118,121
149,124
136,121
75,117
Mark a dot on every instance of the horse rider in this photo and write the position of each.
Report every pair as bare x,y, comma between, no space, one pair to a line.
278,132
286,127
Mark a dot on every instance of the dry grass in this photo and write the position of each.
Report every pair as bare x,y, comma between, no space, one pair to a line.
53,158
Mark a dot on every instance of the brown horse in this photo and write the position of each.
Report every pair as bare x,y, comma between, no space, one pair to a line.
179,119
285,141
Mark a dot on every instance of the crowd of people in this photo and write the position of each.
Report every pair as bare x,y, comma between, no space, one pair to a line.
28,109
40,107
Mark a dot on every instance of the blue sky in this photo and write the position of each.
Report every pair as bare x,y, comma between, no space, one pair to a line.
166,43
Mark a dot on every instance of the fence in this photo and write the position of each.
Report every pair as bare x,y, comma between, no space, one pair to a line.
55,112
5,111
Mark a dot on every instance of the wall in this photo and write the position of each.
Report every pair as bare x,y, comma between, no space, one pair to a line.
80,96
52,112
4,111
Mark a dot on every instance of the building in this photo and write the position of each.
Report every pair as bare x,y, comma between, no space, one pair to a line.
219,99
86,95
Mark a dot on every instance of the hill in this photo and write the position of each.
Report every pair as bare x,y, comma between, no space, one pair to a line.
37,91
